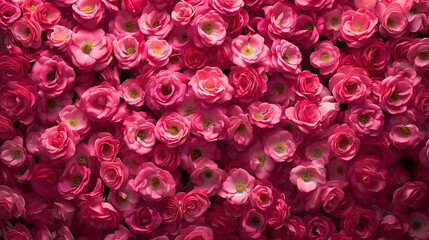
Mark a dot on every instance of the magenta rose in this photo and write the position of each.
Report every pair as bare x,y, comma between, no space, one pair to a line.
248,83
193,204
28,32
19,101
172,129
98,214
11,203
170,209
360,223
195,232
12,68
145,219
58,143
113,174
194,57
100,103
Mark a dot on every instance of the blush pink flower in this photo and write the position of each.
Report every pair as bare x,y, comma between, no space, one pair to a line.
418,55
404,130
172,129
280,21
365,118
47,15
253,224
103,146
139,133
394,21
132,92
75,118
58,143
13,204
124,22
195,148
350,84
259,161
326,57
209,123
28,32
211,85
394,93
343,142
13,153
306,115
59,37
286,57
153,183
208,28
73,181
358,27
182,13
100,102
240,131
113,174
307,178
279,90
263,114
98,214
318,152
158,52
88,12
373,57
248,49
11,13
129,50
207,177
237,187
279,145
155,23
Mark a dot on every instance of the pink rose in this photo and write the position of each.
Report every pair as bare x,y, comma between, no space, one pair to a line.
133,6
144,219
73,181
394,21
58,143
360,223
182,13
366,176
155,23
169,209
47,15
195,232
90,49
165,157
343,142
12,68
75,118
139,133
19,232
306,115
279,27
210,85
373,57
331,195
209,123
103,146
153,183
59,37
220,222
394,93
350,84
314,4
100,102
286,57
261,197
12,204
44,180
365,118
113,174
308,85
132,92
207,177
253,224
124,22
404,129
194,57
98,215
263,114
325,57
307,178
13,153
7,131
358,27
193,204
418,55
129,50
166,90
240,130
172,129
248,49
158,52
88,12
11,13
279,145
28,32
424,154
237,187
209,28
237,22
227,7
412,194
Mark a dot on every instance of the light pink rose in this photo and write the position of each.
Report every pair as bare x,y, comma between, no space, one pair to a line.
207,177
11,13
259,161
326,57
98,214
209,28
210,85
88,12
75,118
343,142
314,4
59,37
155,23
279,145
358,27
166,90
13,153
12,204
100,102
129,50
90,49
194,204
404,129
103,146
153,183
350,84
227,7
182,13
113,174
394,93
124,22
331,195
73,181
132,92
286,57
420,221
307,178
139,133
240,130
279,27
403,66
365,118
28,32
237,187
306,115
47,15
264,115
279,90
248,49
195,232
418,55
261,197
195,148
209,123
172,129
394,21
58,143
158,52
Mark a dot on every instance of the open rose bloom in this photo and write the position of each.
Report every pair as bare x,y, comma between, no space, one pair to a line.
214,119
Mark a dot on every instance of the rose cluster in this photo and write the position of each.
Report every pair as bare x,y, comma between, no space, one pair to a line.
214,119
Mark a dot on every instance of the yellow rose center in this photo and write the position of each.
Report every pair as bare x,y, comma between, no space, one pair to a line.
405,130
286,58
196,154
423,55
130,50
82,160
133,93
390,22
141,134
394,97
207,28
207,123
154,181
344,142
73,122
76,180
157,51
364,119
27,31
306,176
258,115
317,153
279,148
128,27
357,27
241,128
87,47
15,153
334,21
247,50
260,157
31,8
240,187
155,24
189,110
208,173
174,131
325,57
88,8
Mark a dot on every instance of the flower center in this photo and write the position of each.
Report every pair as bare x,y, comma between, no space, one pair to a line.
260,157
416,226
184,37
154,181
207,28
165,89
306,176
88,8
196,154
208,173
157,51
286,58
106,149
351,88
133,93
27,31
189,111
15,153
334,21
405,130
325,57
51,76
155,24
141,134
255,221
423,55
76,180
73,122
247,50
52,104
128,27
414,10
210,86
394,97
82,160
357,27
240,187
32,7
123,200
174,59
207,123
130,50
390,22
317,153
264,197
279,148
174,131
279,87
87,47
241,128
258,115
364,119
309,26
344,142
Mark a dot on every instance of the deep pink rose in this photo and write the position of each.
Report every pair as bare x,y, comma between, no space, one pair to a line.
145,219
172,129
103,146
193,204
12,68
58,143
19,101
249,84
194,57
350,84
360,223
10,13
195,232
100,103
98,214
11,203
358,27
114,174
28,32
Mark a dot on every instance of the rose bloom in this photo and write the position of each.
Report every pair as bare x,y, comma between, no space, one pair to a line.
11,13
318,152
403,66
279,145
165,157
208,28
158,52
308,85
343,142
365,118
195,148
123,22
12,204
210,85
7,131
194,204
306,115
219,220
366,176
279,90
263,114
394,93
286,57
58,143
248,49
279,27
75,118
139,133
44,180
129,50
394,21
73,181
12,68
88,12
261,197
209,123
182,13
360,223
113,174
103,146
237,187
248,83
13,154
28,32
307,178
98,214
207,177
59,37
47,15
195,232
358,27
153,183
404,129
155,23
419,223
373,57
226,7
100,102
144,219
194,57
169,209
165,90
240,131
350,84
172,129
90,49
314,4
253,224
418,54
412,194
325,57
19,231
